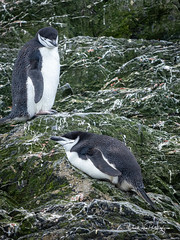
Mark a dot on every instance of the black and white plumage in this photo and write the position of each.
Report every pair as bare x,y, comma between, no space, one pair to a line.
104,157
35,76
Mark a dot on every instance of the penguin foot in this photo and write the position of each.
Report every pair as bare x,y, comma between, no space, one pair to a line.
53,111
49,112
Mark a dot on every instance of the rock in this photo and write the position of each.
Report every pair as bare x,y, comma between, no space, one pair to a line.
125,88
121,19
66,90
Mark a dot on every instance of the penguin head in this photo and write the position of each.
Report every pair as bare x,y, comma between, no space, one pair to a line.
68,140
48,37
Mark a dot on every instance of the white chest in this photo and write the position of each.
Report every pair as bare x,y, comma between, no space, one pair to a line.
50,66
50,72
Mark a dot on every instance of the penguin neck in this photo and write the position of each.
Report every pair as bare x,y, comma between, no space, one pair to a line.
35,39
69,145
49,54
134,181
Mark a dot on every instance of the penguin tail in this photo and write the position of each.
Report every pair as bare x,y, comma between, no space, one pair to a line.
141,192
5,120
14,118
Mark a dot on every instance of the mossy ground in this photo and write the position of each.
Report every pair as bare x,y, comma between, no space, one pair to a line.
128,89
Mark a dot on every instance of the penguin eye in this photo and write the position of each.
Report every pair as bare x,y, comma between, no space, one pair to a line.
47,39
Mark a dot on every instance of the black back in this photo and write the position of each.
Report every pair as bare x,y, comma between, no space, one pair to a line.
19,78
114,150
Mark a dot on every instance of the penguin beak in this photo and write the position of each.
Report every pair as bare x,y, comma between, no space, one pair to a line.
65,142
54,138
54,42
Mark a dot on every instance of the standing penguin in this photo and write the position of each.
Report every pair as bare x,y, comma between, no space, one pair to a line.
104,157
35,77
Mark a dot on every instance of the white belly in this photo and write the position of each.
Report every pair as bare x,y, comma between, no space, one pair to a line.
88,167
50,72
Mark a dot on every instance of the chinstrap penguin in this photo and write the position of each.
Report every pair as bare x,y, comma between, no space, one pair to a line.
35,77
104,157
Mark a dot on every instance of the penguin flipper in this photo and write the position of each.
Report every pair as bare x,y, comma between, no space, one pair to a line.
35,74
98,160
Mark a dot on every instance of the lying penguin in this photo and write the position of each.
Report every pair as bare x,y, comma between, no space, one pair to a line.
104,157
35,77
